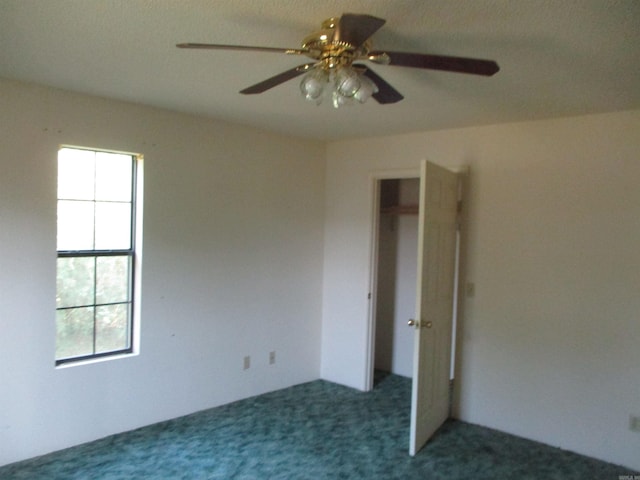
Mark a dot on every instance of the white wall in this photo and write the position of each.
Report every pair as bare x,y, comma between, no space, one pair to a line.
233,222
233,260
548,345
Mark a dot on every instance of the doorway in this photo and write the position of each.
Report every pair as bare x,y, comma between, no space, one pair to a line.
393,273
396,266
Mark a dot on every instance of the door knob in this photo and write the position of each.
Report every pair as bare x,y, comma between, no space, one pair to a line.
412,322
428,324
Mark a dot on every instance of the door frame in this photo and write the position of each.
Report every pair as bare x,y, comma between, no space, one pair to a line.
375,179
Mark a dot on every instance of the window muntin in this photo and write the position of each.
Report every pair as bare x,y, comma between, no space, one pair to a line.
96,254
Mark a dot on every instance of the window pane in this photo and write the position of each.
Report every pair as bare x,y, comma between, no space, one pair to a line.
112,328
113,226
75,174
75,225
112,279
75,281
113,177
94,288
74,335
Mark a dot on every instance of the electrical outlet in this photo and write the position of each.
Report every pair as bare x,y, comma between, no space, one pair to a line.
634,423
272,357
247,362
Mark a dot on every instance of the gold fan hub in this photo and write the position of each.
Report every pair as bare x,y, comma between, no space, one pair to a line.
322,46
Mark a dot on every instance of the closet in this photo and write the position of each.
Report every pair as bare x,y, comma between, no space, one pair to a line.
396,274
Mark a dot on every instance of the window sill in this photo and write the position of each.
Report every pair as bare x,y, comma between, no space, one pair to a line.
91,361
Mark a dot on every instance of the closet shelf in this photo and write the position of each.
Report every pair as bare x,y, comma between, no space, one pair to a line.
401,210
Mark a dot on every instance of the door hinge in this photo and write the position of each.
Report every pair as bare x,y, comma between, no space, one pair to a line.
369,296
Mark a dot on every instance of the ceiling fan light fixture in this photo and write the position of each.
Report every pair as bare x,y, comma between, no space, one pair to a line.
341,85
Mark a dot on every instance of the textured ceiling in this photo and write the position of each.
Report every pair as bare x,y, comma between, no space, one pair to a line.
557,58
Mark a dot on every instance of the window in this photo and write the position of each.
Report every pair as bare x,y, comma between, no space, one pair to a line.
96,254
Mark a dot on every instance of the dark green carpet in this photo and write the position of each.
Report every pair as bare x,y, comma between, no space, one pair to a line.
318,430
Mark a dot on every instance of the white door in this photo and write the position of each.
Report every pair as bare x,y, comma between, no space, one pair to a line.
434,305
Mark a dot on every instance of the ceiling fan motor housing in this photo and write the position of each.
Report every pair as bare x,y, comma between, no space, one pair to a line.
332,53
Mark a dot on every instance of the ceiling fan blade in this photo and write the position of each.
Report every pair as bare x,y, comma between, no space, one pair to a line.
386,93
213,46
437,62
277,79
356,29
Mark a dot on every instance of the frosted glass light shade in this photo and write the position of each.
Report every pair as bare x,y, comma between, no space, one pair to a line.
367,88
313,83
347,82
341,86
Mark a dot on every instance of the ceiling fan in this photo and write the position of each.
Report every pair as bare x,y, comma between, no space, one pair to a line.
335,48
